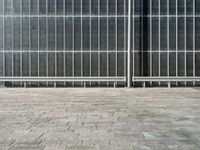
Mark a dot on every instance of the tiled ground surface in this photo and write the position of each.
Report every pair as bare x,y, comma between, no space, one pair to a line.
100,119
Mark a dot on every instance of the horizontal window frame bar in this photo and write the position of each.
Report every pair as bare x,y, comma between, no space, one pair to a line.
95,16
95,51
62,79
62,51
166,79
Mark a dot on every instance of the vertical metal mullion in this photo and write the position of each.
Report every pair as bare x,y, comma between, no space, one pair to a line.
4,40
38,39
81,40
99,61
194,41
151,40
47,42
129,47
125,38
168,74
64,52
90,5
142,36
108,40
55,39
185,40
176,40
30,39
159,37
116,37
73,47
21,46
12,41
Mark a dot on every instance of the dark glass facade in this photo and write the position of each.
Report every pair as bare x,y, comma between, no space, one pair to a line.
88,38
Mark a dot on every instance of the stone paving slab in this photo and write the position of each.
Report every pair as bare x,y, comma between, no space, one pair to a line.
100,119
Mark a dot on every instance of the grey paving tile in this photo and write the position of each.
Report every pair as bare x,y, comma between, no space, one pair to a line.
100,119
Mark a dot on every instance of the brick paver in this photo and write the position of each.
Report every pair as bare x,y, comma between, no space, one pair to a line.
100,119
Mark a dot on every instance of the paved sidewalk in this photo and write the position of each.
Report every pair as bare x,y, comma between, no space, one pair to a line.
100,119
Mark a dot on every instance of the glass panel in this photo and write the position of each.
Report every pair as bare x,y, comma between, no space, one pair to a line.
172,64
112,34
42,4
181,7
68,64
86,64
16,59
197,33
94,64
34,64
163,7
172,33
94,34
51,33
25,33
189,35
86,34
43,67
103,34
197,64
8,34
1,33
112,7
189,64
77,64
197,5
189,6
155,64
172,7
112,64
163,64
155,34
77,33
60,64
86,6
51,64
120,34
60,35
68,33
120,64
34,33
34,7
43,33
8,64
8,6
25,60
60,7
1,64
181,64
181,33
163,33
104,7
155,7
17,33
103,65
68,7
51,6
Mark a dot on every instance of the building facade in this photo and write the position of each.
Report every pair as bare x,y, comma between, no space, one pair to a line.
99,42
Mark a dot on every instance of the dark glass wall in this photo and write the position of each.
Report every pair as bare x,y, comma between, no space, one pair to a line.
83,38
166,38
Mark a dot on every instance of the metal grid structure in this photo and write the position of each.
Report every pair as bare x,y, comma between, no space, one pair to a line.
99,42
166,42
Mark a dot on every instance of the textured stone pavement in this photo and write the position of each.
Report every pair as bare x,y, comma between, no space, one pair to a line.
100,119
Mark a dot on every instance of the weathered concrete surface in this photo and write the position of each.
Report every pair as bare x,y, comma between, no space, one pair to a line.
101,119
